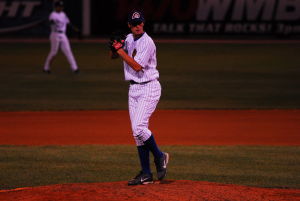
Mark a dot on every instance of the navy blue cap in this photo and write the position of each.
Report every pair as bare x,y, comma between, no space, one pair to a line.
59,4
135,18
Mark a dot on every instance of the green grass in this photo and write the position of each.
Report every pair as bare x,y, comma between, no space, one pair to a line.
193,76
264,166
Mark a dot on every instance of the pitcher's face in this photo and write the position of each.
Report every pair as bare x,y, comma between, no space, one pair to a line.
137,29
58,9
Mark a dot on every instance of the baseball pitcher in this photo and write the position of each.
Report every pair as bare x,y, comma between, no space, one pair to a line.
138,53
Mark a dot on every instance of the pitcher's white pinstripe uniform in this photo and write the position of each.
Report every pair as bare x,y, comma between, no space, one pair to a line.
139,55
145,93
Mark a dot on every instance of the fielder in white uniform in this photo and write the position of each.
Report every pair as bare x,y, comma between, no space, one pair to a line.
58,38
139,58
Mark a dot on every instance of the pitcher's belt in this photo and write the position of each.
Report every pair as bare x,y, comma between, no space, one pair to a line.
134,82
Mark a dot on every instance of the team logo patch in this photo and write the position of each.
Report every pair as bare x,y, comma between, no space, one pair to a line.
133,53
135,15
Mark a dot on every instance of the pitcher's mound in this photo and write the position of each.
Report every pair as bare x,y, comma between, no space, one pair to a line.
168,190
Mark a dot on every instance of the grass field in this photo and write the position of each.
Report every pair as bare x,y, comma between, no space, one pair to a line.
193,76
247,165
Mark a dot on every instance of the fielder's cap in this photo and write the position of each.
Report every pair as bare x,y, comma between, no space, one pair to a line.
135,17
58,4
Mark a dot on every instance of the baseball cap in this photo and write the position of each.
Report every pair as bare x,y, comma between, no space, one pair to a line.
135,17
59,4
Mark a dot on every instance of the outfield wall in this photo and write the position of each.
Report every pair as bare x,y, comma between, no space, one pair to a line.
164,17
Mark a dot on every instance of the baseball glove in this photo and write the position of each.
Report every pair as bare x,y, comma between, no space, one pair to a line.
75,31
117,41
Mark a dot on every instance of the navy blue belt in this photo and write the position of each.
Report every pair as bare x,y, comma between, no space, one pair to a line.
59,32
134,82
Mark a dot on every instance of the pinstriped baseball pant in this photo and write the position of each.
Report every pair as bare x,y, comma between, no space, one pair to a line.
142,100
60,40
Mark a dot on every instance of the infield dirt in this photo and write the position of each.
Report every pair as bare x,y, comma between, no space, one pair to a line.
171,127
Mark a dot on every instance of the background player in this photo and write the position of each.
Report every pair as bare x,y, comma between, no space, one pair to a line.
58,38
139,56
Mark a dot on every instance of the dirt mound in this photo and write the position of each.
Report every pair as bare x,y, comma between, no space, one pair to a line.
169,190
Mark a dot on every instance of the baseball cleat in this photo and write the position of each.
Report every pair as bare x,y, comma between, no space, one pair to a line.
161,166
141,179
76,71
47,71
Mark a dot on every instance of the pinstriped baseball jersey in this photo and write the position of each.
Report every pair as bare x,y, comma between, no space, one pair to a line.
143,51
60,21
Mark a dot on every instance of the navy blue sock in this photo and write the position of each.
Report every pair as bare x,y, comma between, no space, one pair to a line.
151,144
144,158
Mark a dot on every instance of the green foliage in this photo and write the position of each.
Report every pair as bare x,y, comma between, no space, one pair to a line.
264,166
193,76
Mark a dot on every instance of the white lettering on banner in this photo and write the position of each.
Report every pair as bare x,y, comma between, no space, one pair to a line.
249,10
228,28
218,8
246,17
29,7
259,28
12,10
168,28
288,10
288,29
252,9
22,14
204,28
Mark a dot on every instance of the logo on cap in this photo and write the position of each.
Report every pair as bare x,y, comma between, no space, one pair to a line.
135,15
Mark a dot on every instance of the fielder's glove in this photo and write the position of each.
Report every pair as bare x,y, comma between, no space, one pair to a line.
76,31
117,41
